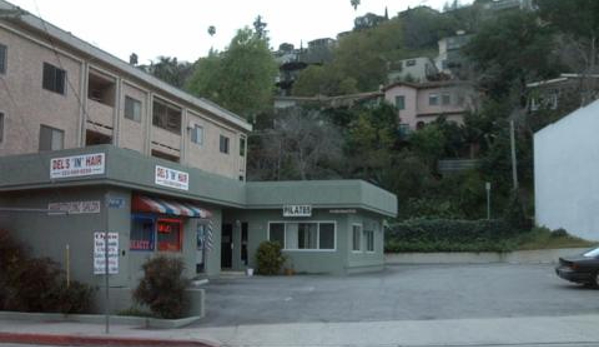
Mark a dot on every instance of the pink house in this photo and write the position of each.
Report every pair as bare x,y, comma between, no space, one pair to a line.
421,103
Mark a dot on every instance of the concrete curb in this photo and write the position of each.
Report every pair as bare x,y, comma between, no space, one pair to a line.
146,322
543,256
77,340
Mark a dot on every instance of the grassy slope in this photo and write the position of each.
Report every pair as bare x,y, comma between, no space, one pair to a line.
543,239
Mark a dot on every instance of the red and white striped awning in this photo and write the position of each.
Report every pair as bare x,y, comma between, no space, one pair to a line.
142,203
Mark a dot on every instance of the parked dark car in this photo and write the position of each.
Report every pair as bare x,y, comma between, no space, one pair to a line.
583,269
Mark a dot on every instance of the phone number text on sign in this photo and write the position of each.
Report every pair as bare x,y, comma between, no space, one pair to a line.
78,165
171,178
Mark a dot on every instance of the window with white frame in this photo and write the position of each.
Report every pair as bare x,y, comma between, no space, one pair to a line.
242,141
132,109
277,233
433,99
369,237
303,235
197,134
400,102
356,238
224,144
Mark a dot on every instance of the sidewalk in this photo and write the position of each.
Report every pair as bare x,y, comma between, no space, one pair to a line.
459,332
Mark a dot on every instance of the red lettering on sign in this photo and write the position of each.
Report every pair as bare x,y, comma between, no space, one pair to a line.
93,160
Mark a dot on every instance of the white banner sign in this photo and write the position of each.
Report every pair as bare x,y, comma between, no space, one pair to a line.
78,165
297,211
171,178
100,253
75,207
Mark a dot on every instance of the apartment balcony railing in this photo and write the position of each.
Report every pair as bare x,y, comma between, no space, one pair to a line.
100,114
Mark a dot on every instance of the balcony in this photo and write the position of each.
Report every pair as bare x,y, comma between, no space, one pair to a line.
100,114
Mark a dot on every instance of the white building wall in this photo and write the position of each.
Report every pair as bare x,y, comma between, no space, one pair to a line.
566,164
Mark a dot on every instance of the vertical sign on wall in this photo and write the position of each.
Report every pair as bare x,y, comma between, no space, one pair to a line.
100,253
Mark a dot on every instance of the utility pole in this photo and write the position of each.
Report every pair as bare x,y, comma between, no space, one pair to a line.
514,159
488,189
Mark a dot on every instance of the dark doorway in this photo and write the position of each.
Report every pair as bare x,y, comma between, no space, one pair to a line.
244,243
226,244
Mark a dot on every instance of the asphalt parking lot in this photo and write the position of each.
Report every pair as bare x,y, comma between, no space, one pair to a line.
401,292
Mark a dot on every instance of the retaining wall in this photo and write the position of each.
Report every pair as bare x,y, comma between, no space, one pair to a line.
545,256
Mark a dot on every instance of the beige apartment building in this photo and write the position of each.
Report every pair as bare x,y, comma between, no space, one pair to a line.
64,93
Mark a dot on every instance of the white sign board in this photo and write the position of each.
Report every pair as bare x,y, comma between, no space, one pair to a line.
171,178
100,253
74,207
297,211
78,165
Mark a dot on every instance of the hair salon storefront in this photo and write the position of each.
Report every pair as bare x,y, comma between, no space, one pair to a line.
211,222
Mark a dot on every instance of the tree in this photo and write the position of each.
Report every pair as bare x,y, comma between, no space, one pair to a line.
323,80
260,28
422,28
578,21
355,4
429,143
370,140
364,55
301,145
577,26
170,70
240,78
511,51
211,30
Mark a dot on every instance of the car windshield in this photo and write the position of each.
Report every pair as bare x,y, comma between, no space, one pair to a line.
593,253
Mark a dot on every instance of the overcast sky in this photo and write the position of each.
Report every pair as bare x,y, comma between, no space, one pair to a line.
179,28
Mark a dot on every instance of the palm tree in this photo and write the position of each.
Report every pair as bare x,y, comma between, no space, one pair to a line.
355,4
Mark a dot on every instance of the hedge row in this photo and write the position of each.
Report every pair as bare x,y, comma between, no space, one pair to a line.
446,235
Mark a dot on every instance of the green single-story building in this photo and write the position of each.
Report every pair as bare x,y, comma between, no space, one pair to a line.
68,199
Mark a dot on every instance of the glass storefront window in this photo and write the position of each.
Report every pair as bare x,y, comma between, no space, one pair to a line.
277,233
169,233
326,236
142,234
307,233
303,236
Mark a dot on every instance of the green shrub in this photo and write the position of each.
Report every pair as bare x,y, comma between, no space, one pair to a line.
76,298
446,235
162,288
11,255
514,214
561,232
37,284
269,258
34,286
